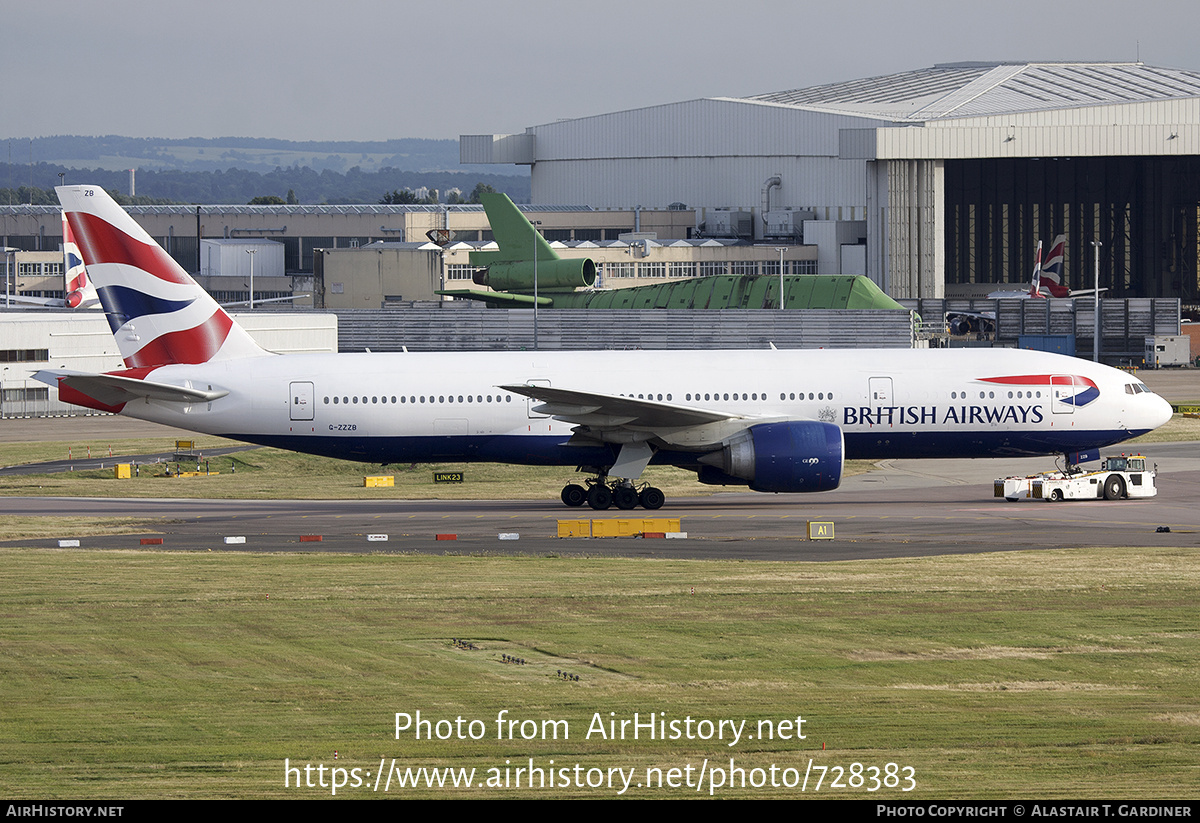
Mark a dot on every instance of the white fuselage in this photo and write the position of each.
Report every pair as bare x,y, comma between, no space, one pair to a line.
416,407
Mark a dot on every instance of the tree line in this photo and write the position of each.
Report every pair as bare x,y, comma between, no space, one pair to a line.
306,186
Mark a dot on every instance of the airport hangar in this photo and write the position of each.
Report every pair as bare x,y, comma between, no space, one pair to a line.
952,173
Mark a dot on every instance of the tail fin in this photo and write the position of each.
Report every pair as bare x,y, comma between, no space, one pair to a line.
525,263
1036,289
1053,267
80,293
1052,271
158,314
515,235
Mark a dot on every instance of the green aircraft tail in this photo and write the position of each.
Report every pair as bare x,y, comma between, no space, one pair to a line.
514,234
524,256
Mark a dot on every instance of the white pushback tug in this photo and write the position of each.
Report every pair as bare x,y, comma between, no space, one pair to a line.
1120,477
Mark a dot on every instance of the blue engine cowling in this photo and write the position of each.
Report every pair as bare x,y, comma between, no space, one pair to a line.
796,456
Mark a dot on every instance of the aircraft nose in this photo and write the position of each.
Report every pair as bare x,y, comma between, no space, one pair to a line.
1159,411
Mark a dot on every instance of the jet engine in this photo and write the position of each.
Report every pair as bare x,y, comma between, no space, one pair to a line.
794,456
552,275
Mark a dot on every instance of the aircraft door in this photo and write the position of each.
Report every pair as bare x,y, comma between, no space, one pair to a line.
881,391
302,401
531,402
1062,391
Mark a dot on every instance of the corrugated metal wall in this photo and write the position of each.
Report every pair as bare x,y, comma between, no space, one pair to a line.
1124,323
477,329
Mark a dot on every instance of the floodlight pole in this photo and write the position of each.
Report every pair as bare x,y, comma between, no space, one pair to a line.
8,264
1096,307
251,253
781,250
535,224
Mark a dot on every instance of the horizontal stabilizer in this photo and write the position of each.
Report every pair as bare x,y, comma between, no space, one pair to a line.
113,390
495,298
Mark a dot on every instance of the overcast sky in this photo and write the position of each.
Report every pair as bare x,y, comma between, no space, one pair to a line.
372,70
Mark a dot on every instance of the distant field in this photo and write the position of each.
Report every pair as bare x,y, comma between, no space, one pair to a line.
1061,674
277,474
1178,428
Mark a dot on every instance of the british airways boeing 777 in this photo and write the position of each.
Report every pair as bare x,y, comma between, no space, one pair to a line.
776,421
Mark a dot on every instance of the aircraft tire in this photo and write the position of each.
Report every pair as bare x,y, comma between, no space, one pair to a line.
599,497
652,498
625,497
573,495
1114,488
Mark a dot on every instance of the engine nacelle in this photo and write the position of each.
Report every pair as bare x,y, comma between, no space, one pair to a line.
795,456
552,275
712,476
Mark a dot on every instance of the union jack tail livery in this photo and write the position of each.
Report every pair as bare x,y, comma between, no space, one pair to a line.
81,294
159,315
1052,270
1035,290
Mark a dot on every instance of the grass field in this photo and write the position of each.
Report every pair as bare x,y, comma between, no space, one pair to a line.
1067,674
277,474
1061,674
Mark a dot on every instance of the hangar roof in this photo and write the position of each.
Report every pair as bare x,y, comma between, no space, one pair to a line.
981,88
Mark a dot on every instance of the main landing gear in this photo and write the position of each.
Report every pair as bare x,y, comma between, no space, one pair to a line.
601,493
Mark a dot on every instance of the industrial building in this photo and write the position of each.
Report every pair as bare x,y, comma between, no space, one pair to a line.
951,173
210,242
388,272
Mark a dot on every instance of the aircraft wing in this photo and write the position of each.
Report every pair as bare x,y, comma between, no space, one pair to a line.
609,411
112,390
260,302
25,300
